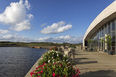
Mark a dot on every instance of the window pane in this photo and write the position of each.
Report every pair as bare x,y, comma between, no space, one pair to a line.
113,26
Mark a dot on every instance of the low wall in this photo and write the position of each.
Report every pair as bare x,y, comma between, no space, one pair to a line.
33,68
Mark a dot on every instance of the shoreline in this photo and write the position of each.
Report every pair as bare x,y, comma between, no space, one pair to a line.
43,47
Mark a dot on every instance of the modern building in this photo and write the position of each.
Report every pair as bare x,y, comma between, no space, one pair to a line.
104,24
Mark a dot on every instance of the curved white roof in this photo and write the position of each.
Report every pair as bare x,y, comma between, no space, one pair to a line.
106,15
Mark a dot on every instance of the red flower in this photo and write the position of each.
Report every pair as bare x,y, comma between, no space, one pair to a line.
38,72
41,71
44,63
78,70
60,65
68,64
36,68
32,73
58,75
53,69
53,74
38,76
77,75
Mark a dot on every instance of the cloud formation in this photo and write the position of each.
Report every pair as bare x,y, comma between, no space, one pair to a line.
16,38
56,28
61,39
16,16
4,31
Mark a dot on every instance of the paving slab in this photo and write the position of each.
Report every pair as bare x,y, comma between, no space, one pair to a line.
95,64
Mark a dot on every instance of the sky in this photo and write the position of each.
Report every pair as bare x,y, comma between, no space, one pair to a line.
55,21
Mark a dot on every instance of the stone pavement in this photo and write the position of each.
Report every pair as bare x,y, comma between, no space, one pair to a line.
95,64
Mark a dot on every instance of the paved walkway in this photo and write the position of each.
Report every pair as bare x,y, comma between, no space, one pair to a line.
95,64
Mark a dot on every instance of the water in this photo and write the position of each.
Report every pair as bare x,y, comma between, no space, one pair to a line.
17,61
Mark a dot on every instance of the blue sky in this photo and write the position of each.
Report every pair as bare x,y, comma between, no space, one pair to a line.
48,20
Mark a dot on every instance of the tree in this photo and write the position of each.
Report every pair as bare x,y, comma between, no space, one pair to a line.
90,42
108,41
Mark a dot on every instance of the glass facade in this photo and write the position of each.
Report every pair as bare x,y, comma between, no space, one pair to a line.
107,29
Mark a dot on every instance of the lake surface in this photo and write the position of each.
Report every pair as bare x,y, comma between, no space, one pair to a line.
17,61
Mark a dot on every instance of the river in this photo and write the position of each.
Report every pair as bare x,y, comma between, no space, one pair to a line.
17,61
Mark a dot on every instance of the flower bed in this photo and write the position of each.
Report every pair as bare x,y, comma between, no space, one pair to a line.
52,57
55,64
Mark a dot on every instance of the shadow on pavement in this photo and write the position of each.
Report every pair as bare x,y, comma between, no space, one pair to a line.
100,73
86,62
78,61
81,58
81,54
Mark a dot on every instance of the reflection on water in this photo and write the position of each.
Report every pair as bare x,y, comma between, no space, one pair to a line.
17,61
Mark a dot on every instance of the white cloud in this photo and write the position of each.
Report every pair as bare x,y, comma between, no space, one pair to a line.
60,39
4,31
16,38
56,28
43,24
16,15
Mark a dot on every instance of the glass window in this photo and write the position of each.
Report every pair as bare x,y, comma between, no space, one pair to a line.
113,26
108,28
102,32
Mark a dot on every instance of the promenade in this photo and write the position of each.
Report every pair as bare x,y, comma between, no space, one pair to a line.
95,64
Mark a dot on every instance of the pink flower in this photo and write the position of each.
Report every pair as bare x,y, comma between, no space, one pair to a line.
33,71
53,74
